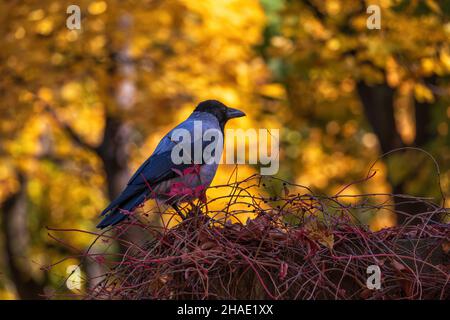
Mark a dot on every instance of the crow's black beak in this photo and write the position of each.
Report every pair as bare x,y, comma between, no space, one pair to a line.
234,113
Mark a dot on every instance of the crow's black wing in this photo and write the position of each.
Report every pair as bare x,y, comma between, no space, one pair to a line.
156,169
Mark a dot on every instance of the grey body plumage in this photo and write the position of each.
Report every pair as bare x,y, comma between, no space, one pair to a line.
159,173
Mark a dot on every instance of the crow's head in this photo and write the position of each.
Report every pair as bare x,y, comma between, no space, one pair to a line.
219,110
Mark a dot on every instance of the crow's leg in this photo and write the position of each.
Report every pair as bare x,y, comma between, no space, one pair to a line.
195,210
178,211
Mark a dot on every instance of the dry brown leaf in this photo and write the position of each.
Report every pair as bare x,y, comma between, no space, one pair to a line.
446,247
317,231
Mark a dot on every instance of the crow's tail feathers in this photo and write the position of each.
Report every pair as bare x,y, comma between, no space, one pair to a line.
119,208
111,219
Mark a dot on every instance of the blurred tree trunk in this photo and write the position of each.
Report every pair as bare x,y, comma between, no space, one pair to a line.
118,92
17,241
378,105
114,148
113,152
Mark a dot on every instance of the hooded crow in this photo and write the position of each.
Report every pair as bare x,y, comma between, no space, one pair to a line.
159,175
